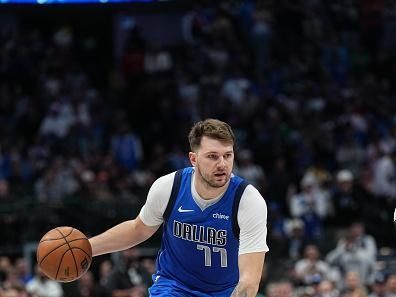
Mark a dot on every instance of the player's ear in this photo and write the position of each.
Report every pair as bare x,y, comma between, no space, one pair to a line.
193,158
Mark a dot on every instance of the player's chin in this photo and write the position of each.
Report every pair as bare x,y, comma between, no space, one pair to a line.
219,182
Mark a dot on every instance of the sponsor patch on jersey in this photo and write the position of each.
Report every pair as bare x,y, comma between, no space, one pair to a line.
220,216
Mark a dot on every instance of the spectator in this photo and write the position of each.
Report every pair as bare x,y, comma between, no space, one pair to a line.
128,277
311,268
349,154
312,206
285,289
87,287
327,288
350,256
348,203
22,270
378,287
297,240
271,290
105,269
353,286
391,285
364,241
277,223
384,172
58,183
311,199
13,292
41,286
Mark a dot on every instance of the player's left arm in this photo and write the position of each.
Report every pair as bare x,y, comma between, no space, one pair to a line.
252,221
250,270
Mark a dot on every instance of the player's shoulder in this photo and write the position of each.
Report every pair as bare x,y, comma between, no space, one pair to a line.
164,180
251,190
252,194
167,180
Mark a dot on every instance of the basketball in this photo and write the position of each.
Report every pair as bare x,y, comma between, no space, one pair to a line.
64,254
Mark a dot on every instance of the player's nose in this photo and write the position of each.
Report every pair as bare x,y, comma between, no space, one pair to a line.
221,163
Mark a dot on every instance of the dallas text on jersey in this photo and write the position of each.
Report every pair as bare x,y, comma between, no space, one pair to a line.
200,234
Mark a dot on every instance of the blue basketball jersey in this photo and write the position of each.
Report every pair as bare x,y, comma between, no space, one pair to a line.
200,247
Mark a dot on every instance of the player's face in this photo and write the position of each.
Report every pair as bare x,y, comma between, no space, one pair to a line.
213,162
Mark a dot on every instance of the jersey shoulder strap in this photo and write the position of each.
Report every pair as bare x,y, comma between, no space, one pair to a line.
173,195
237,198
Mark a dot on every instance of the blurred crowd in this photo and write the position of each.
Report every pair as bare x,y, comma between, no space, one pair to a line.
128,274
308,86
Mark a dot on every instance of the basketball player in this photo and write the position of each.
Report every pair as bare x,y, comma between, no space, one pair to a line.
214,236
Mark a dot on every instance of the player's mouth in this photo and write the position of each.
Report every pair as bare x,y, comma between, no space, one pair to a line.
219,175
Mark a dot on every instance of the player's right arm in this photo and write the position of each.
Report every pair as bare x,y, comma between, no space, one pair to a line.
121,237
132,232
252,220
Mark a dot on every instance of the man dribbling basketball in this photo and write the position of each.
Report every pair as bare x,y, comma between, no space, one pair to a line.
214,238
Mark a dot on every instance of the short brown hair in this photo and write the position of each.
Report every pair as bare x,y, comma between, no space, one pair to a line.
212,128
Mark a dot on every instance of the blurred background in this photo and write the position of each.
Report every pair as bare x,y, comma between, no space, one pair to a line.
96,100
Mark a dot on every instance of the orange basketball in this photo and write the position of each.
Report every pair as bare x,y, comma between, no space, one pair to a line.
64,254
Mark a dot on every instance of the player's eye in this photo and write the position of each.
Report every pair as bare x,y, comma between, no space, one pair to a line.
213,157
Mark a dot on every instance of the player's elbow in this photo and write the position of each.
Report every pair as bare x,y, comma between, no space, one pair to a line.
142,231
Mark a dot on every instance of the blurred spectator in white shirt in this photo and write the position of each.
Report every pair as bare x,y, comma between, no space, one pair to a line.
354,252
311,198
41,286
312,267
384,176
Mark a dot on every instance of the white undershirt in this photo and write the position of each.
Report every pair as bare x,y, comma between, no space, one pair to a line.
202,203
252,213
